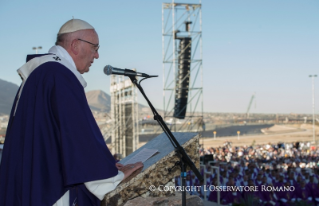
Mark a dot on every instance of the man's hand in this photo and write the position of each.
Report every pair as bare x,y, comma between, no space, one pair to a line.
119,166
129,169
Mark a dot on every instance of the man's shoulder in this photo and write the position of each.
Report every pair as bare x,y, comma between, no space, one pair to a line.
32,56
52,69
34,62
52,74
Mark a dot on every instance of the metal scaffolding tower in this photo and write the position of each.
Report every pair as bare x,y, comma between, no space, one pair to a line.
124,113
182,65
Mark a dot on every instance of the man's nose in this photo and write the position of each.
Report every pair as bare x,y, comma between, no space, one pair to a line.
96,55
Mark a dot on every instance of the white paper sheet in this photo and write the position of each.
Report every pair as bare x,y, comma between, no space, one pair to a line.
142,156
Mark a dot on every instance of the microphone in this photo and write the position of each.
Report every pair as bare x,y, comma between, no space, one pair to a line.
108,70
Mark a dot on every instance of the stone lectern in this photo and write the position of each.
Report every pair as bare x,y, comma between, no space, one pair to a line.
155,171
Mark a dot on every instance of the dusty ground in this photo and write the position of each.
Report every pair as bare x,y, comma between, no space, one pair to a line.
275,134
278,133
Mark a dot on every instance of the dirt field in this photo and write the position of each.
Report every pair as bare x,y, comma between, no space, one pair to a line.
278,133
275,134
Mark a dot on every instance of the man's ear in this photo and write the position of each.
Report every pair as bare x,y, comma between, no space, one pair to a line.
75,47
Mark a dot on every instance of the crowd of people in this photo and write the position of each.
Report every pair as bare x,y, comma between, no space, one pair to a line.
270,174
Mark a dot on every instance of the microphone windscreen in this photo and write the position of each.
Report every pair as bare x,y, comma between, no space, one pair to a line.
108,69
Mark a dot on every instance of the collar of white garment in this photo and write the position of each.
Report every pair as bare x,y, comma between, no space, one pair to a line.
62,53
26,70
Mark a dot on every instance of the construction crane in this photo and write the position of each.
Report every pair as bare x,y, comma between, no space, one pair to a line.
251,101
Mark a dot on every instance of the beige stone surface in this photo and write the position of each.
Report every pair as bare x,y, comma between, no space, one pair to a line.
157,174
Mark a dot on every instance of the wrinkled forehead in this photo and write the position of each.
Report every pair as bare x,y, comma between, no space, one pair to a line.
91,35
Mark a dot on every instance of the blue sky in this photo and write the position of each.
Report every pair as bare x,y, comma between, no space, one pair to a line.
265,46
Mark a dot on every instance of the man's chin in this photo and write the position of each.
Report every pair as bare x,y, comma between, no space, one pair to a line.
86,71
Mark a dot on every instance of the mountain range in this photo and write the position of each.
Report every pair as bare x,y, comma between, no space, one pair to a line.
97,99
8,91
101,101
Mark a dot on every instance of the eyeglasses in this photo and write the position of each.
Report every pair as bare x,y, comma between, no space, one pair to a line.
95,45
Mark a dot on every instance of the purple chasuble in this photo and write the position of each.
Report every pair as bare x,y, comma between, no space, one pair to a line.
53,143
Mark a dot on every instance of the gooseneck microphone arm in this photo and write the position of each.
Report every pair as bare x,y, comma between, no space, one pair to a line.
108,70
184,158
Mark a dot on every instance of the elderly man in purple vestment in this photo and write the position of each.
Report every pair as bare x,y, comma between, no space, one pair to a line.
54,153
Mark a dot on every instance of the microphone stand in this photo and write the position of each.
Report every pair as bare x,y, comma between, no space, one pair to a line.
184,159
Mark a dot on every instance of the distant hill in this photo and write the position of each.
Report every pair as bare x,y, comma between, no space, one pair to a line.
8,91
99,101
